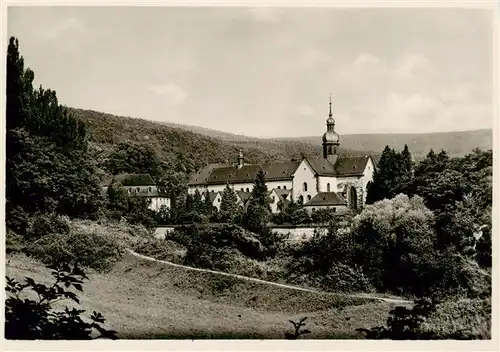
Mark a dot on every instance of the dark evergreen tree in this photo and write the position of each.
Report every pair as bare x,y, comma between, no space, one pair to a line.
386,176
258,209
207,204
229,209
48,166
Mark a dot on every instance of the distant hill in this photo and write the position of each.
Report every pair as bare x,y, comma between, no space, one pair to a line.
193,149
454,143
198,146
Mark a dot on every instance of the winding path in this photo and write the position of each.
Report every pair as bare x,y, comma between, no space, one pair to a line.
247,278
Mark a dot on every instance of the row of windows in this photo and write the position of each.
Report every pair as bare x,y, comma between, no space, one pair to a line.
138,189
304,187
301,198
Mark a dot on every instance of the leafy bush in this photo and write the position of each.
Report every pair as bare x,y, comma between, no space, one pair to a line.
13,242
44,224
430,319
345,278
77,246
28,319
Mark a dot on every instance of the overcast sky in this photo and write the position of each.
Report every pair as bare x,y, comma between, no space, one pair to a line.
267,72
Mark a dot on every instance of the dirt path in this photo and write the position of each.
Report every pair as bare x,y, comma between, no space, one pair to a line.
367,296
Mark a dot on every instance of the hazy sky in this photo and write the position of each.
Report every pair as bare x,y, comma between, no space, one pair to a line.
267,71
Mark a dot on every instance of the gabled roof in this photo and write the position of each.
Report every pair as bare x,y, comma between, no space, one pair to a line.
282,195
326,198
352,165
212,196
245,174
321,166
244,196
344,166
281,192
135,180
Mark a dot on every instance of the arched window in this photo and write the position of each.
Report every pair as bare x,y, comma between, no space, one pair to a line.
248,190
304,187
308,197
150,189
137,189
313,210
274,199
353,198
242,189
284,187
334,209
301,198
329,149
279,187
129,190
328,187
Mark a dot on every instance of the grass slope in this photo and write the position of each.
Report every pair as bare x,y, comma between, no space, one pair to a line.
142,299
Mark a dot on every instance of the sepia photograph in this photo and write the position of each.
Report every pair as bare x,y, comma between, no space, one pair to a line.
249,172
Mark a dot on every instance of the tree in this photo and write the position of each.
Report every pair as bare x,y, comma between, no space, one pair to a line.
295,214
387,176
135,159
229,208
259,209
48,165
395,243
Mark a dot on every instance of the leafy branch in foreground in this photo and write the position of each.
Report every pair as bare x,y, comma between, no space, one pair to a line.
31,319
297,326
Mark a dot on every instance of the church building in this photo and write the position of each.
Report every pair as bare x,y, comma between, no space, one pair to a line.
328,182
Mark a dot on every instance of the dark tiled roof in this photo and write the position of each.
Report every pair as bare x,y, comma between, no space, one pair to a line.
135,180
321,166
246,174
212,196
282,195
201,177
326,198
244,196
282,192
352,165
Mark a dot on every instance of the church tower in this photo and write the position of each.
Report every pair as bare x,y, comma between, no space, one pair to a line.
331,139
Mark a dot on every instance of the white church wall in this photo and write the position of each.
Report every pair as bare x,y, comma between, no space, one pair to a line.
239,186
304,174
367,177
323,182
157,202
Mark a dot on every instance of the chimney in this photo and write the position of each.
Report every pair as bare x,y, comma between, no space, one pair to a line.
240,160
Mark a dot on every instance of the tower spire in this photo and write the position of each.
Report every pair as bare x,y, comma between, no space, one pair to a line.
330,114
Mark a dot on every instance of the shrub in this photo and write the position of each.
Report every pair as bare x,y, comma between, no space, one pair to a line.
27,319
44,224
431,319
13,242
345,278
77,246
